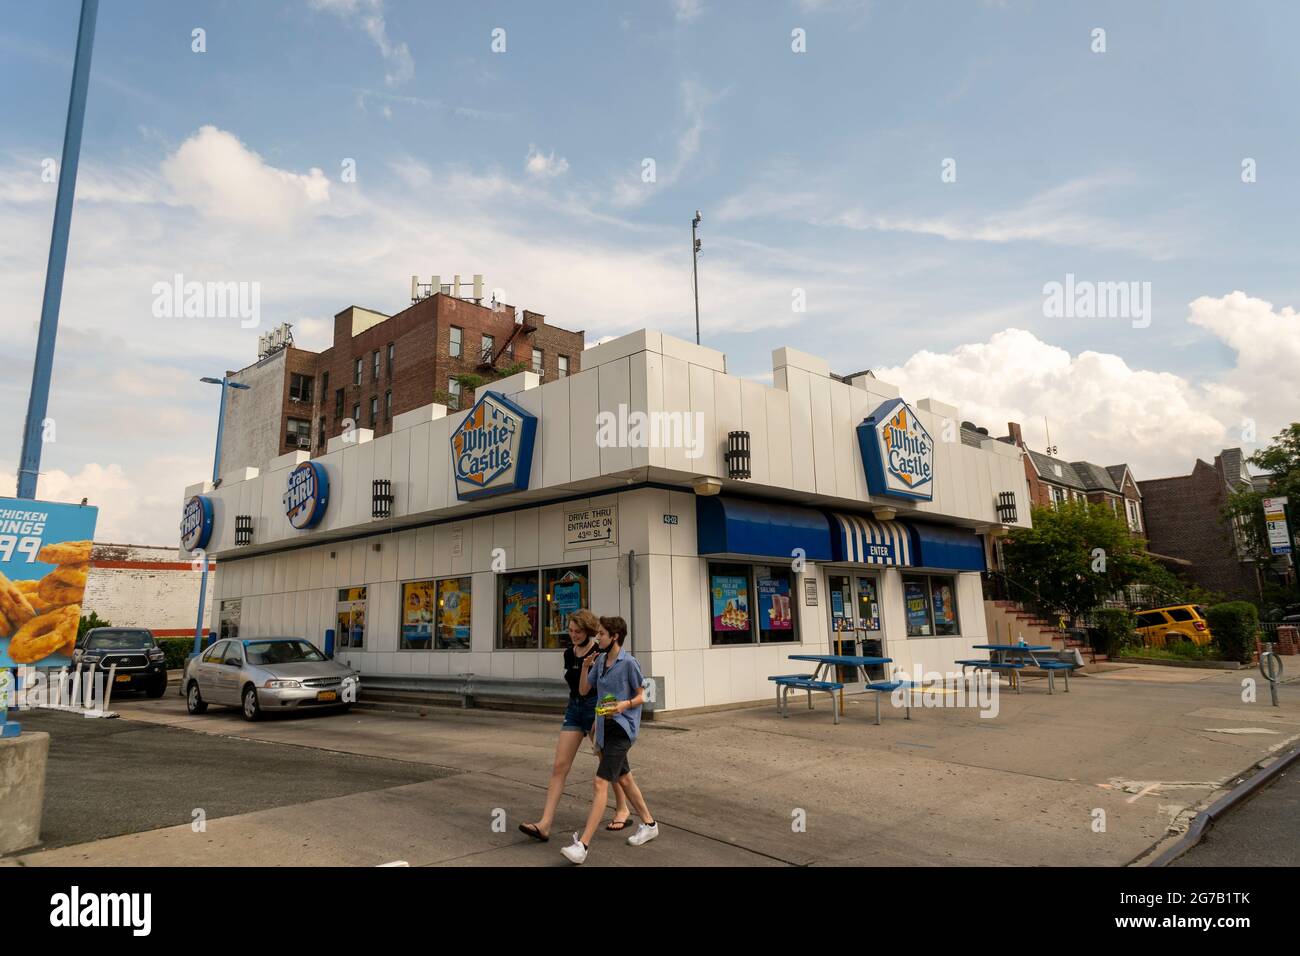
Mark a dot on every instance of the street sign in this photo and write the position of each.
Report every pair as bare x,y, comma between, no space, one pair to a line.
1279,540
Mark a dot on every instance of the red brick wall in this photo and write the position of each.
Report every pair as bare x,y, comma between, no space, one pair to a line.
1182,519
422,363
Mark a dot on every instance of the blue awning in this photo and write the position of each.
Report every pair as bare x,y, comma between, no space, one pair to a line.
951,549
726,525
864,540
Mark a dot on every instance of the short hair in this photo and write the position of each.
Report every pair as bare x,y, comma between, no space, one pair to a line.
616,627
585,620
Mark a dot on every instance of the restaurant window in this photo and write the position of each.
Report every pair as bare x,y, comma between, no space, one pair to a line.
350,618
356,373
930,605
773,587
453,389
533,607
729,604
390,360
564,590
563,362
517,611
299,433
228,619
537,361
455,349
388,406
375,364
374,410
300,388
436,614
338,403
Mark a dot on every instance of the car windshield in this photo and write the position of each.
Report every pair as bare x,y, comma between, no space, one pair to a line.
119,641
281,652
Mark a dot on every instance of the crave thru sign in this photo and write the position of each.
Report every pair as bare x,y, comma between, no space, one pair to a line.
897,452
307,495
492,449
196,523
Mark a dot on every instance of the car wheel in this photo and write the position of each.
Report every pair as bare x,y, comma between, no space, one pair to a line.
157,688
251,709
194,701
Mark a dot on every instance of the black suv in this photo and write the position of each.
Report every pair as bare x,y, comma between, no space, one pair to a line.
141,663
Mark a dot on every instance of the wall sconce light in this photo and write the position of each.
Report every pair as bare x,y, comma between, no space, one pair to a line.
737,456
243,530
1006,507
381,498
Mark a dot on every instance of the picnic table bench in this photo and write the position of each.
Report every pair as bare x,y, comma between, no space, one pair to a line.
814,682
1016,657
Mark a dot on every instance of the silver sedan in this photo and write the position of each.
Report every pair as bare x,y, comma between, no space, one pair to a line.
266,675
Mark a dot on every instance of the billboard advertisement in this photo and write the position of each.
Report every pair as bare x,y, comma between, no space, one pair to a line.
44,561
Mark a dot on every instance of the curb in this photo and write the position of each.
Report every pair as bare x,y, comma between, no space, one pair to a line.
1207,817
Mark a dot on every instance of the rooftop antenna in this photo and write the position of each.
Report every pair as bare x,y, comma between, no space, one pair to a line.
1051,449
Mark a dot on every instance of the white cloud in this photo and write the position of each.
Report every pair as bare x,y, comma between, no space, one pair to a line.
544,166
632,190
369,16
1100,409
221,177
687,10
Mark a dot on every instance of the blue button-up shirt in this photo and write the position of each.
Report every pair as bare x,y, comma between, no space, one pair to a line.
624,681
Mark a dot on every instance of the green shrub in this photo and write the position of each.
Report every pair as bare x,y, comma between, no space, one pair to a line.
177,649
1233,626
89,622
1112,630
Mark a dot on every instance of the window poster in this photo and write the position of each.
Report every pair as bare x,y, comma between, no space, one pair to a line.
519,608
454,607
916,606
774,603
730,602
417,613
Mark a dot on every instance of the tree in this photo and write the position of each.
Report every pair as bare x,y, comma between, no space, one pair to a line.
1281,462
90,622
1074,557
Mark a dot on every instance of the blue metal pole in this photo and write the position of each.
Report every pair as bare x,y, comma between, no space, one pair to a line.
29,467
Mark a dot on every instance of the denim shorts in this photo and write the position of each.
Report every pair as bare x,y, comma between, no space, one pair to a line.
580,714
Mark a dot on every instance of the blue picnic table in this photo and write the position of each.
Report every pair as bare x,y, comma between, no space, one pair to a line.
1013,657
814,681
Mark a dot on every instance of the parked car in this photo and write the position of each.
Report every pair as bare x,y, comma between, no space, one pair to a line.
140,662
266,675
1161,626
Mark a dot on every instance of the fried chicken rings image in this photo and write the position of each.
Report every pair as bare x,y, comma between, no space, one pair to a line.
15,608
45,635
64,585
66,552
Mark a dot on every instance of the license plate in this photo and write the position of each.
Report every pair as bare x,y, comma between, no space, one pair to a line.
123,678
328,695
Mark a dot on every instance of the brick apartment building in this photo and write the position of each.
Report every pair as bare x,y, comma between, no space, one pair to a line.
1054,482
380,366
1185,520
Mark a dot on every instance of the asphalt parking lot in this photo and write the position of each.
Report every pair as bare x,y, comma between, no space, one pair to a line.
111,777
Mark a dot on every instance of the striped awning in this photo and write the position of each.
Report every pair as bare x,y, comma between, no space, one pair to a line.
866,541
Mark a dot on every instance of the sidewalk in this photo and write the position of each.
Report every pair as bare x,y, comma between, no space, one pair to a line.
947,787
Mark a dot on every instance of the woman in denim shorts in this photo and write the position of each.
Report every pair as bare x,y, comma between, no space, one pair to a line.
579,718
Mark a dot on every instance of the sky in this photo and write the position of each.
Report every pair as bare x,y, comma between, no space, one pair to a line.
890,185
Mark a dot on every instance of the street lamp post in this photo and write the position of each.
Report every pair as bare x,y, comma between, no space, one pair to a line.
225,384
695,271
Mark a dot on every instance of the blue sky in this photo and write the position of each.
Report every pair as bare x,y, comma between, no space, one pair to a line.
817,171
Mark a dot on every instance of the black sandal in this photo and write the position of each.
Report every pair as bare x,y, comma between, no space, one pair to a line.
531,830
617,825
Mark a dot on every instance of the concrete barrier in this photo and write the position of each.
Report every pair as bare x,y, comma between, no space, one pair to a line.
22,789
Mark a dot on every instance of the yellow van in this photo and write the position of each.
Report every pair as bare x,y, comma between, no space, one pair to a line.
1161,626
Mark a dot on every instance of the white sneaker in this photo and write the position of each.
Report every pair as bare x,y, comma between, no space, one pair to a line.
644,834
575,852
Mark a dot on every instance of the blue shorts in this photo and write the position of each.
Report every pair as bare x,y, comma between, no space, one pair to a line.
580,714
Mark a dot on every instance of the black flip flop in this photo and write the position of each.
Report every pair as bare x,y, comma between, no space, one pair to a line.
531,830
617,825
